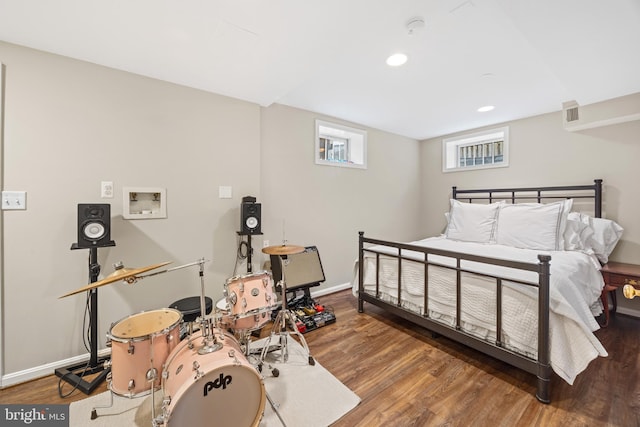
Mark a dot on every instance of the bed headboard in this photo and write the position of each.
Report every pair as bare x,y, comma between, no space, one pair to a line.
591,192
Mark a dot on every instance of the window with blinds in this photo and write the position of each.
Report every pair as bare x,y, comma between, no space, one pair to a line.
485,149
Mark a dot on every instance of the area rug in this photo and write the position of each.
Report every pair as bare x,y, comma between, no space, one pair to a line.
303,395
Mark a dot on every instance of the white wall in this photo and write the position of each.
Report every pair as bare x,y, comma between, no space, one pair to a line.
543,153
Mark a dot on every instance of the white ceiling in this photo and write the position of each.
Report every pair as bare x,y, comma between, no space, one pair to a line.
525,57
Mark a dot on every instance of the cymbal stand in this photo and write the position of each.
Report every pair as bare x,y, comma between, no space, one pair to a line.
209,342
284,319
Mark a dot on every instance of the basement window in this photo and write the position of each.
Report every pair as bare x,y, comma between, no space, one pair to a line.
478,150
339,145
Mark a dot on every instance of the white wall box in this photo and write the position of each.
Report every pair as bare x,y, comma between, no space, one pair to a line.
144,203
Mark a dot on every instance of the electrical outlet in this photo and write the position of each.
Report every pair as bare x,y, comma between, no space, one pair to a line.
265,243
106,189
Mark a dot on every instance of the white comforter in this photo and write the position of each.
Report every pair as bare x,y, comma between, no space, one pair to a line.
575,287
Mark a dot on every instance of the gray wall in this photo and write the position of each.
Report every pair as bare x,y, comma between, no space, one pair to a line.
543,153
70,125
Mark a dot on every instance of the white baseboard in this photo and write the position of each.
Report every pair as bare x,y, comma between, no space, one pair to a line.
331,290
628,311
45,370
49,368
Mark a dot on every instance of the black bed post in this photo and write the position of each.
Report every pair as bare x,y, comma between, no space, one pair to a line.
454,192
598,198
360,272
544,367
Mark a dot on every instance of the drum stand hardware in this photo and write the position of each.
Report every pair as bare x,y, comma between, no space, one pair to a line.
285,318
275,407
94,412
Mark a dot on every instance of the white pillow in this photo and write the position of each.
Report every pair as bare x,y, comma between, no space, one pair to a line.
472,222
606,235
578,232
533,225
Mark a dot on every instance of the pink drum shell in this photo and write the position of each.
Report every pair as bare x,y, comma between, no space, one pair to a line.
240,403
249,322
154,331
260,284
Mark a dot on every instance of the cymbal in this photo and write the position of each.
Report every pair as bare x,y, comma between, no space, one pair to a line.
283,250
120,274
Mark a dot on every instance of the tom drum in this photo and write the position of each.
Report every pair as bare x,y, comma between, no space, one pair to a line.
235,323
250,294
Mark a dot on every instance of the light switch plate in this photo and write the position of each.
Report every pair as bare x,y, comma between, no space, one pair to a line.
14,200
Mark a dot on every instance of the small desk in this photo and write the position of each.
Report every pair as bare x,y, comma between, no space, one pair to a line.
616,275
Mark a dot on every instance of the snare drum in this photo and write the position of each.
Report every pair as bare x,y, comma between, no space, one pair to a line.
246,323
220,387
250,294
139,343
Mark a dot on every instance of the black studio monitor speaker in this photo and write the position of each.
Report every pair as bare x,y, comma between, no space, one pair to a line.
94,226
250,216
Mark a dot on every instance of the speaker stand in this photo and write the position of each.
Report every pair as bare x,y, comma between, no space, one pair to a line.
249,253
74,374
249,249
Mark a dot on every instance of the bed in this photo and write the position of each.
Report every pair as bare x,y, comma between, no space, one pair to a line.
514,275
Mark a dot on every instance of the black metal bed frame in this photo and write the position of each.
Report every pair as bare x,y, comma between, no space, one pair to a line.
541,366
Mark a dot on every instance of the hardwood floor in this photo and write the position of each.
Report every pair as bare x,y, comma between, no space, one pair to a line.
407,378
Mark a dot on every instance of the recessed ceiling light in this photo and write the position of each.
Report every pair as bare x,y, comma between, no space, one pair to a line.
396,59
486,108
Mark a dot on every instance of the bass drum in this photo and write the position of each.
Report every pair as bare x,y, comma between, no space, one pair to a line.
220,388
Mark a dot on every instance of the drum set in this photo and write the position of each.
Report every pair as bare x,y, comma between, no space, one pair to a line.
210,373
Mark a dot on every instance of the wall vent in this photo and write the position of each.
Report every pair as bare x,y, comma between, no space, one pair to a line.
605,113
572,114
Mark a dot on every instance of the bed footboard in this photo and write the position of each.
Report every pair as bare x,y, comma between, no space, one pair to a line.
540,366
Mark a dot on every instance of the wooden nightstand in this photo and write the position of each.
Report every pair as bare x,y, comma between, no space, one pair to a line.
616,275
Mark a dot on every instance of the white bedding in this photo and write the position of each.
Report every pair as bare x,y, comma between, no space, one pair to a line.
575,288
